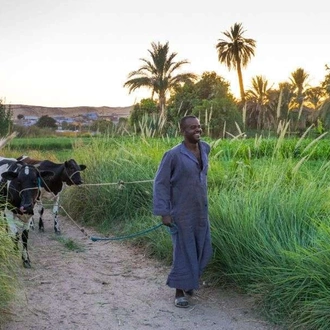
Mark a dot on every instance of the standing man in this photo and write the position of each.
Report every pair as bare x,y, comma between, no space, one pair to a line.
180,198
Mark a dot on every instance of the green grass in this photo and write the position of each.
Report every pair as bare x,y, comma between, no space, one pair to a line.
70,243
266,210
45,143
268,205
8,263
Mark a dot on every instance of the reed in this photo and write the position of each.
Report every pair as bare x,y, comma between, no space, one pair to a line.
268,206
270,231
8,263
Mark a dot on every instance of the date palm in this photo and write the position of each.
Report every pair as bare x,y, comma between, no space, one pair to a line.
299,81
236,52
259,109
158,74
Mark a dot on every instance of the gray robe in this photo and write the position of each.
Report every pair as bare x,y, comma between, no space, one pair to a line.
180,190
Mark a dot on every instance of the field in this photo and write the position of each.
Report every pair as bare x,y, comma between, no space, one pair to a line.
268,205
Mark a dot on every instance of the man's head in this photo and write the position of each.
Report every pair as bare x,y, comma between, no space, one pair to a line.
190,128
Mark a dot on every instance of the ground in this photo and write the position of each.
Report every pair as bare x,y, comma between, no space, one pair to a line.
109,285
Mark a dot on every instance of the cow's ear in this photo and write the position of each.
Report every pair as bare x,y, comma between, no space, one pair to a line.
46,174
82,167
9,175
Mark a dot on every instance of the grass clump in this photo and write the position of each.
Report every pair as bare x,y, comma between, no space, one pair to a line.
70,243
268,205
8,263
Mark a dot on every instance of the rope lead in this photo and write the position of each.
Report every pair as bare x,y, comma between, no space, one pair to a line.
94,239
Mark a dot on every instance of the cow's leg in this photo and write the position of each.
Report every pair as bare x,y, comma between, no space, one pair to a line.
41,222
40,209
25,253
31,223
12,228
55,212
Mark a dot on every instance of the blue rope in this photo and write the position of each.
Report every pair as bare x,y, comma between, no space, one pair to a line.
94,239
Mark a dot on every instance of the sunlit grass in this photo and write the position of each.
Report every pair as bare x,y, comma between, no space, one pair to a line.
267,214
8,263
268,205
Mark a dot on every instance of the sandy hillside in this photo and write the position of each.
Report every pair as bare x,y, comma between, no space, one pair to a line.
33,110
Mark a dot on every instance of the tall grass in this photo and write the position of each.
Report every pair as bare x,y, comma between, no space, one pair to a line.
8,262
270,227
268,205
269,211
117,195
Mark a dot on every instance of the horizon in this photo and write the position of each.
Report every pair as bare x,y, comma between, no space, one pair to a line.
81,52
75,106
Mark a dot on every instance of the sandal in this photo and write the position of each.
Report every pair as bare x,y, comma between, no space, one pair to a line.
181,302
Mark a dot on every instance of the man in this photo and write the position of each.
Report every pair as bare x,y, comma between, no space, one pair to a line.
180,198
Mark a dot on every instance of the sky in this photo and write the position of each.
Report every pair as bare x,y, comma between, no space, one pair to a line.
68,53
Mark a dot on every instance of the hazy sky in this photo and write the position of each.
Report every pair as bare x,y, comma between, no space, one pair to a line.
79,52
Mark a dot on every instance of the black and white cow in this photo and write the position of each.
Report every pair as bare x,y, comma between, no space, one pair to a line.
19,189
67,173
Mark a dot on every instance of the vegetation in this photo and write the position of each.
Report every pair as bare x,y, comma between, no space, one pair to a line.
70,244
236,52
8,263
210,100
46,121
159,74
269,213
268,209
268,178
5,119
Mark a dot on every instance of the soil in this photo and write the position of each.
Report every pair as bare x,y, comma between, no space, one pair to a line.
109,285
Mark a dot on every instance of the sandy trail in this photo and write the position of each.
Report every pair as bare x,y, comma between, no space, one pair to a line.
108,286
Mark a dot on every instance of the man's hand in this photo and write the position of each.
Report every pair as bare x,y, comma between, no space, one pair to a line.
167,220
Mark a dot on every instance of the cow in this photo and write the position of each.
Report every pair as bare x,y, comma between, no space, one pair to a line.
67,173
19,189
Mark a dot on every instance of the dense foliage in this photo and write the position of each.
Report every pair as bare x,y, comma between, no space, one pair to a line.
6,123
269,212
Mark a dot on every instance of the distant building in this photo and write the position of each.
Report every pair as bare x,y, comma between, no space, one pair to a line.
92,116
29,120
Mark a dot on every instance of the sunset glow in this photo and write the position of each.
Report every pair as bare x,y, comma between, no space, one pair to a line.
79,52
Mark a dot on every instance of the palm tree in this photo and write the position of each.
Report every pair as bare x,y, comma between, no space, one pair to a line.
315,97
259,110
236,52
158,74
259,90
299,82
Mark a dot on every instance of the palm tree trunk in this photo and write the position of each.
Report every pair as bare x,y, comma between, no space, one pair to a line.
162,108
240,81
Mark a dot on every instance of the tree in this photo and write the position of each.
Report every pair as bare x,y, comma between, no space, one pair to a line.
324,109
158,74
299,82
236,52
210,100
259,111
145,107
5,119
46,121
102,126
315,97
326,82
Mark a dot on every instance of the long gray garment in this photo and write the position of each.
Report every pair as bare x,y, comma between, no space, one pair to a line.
180,190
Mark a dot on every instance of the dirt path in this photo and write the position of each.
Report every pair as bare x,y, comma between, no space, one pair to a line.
109,286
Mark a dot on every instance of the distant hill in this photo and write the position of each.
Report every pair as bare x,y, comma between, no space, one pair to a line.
34,110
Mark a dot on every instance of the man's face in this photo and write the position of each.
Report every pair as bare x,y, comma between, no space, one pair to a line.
192,130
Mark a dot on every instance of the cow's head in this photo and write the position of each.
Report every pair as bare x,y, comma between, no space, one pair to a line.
24,187
72,172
